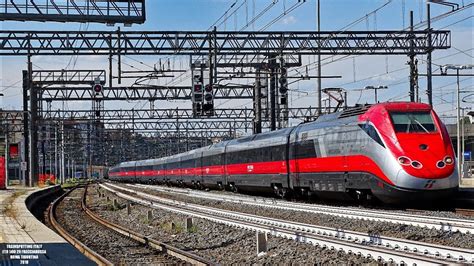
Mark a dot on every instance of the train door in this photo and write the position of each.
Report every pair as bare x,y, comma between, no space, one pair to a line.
198,167
293,168
290,155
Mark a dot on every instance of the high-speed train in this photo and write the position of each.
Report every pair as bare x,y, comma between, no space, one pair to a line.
396,152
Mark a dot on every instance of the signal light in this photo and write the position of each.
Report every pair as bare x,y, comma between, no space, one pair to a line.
197,93
97,88
198,88
198,97
208,97
208,109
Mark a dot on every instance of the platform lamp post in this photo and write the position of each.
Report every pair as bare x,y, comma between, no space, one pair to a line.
444,70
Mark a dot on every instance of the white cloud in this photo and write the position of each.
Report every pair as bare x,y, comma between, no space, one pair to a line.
289,20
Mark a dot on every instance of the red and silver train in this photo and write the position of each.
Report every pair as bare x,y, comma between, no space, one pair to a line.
396,152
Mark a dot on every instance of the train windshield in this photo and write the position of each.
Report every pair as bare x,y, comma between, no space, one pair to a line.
413,122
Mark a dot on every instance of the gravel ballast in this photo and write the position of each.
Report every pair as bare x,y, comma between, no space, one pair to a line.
114,247
454,239
217,242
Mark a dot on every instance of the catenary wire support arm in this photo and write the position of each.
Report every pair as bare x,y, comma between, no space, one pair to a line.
227,43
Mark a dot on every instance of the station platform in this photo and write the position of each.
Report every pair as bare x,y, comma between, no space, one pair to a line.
467,183
465,195
26,240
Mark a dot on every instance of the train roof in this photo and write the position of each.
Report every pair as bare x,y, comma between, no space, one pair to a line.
362,109
354,113
405,106
127,164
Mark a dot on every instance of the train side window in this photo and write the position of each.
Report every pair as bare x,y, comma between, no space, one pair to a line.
370,130
278,153
305,149
268,154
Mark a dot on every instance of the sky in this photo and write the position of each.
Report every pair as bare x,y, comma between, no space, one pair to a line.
357,72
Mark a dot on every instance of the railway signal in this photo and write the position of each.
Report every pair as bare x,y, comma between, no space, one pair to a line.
283,86
97,86
197,95
208,106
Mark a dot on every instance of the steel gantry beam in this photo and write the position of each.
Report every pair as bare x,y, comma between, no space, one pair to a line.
227,42
180,134
13,115
11,121
140,93
181,125
148,114
103,11
67,77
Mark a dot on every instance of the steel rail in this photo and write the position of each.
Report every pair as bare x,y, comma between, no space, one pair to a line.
380,247
439,223
89,253
165,248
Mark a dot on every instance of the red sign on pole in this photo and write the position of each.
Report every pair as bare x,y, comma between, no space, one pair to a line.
13,152
2,173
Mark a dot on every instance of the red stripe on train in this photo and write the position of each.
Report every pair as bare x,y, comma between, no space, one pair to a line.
353,163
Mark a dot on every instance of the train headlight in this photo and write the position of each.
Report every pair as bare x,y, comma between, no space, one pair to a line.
403,160
448,160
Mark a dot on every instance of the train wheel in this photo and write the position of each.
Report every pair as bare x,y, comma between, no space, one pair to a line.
279,191
233,188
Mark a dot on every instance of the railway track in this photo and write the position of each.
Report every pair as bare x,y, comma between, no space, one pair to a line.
382,248
439,223
152,250
91,254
